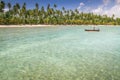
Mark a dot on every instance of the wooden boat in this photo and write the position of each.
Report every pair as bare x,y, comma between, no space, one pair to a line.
97,30
92,30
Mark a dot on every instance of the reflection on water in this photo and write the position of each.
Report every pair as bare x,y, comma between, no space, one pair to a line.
59,53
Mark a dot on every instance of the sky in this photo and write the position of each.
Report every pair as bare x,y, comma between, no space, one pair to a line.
100,7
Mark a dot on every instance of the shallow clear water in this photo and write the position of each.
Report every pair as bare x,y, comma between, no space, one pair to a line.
59,53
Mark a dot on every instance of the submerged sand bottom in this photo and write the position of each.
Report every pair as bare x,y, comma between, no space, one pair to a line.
60,53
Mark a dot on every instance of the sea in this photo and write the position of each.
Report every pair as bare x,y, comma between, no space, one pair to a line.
60,53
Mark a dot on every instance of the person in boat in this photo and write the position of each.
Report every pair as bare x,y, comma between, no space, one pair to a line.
93,28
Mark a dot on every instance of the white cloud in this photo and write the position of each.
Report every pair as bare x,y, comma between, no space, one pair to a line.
80,6
118,1
109,12
99,10
103,9
114,10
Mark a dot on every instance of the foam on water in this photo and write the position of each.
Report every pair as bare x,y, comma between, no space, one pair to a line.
59,53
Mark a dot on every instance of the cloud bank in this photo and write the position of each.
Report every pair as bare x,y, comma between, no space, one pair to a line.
103,8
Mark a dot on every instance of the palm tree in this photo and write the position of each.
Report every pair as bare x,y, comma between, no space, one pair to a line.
55,6
2,6
42,12
49,11
77,12
23,11
42,9
113,16
37,6
54,11
9,6
15,9
63,9
36,9
18,7
48,7
36,12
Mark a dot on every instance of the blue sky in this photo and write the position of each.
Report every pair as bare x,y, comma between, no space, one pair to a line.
68,4
108,7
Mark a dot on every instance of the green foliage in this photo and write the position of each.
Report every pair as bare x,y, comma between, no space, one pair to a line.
51,15
2,6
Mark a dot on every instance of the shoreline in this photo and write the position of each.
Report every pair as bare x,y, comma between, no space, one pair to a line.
26,26
40,25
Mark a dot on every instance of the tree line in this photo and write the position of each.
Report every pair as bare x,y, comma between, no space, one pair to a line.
17,14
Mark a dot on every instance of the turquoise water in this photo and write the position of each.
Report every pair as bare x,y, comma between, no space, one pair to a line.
59,53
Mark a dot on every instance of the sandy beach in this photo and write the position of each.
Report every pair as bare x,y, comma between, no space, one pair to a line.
27,25
52,25
37,25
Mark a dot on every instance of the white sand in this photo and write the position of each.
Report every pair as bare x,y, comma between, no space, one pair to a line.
51,25
27,25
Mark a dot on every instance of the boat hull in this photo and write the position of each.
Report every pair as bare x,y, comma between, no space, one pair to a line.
92,30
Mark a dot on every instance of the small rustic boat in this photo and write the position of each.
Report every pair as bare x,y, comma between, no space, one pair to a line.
97,30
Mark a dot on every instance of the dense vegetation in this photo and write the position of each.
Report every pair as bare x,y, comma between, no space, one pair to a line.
21,15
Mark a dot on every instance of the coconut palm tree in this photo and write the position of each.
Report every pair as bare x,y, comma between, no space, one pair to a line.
23,12
15,9
55,6
18,8
48,7
42,12
36,12
2,6
9,6
37,6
